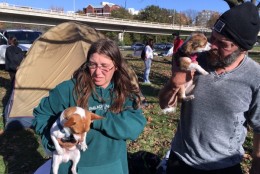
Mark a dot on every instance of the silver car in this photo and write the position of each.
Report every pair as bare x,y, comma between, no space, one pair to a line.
25,39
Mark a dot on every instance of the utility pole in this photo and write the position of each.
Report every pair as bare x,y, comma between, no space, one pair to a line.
74,6
173,17
180,20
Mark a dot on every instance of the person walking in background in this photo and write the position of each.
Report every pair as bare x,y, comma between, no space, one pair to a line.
213,126
13,57
177,41
101,85
148,60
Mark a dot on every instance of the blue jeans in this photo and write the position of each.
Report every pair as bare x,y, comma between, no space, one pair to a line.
148,64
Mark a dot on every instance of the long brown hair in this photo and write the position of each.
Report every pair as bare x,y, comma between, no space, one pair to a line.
122,81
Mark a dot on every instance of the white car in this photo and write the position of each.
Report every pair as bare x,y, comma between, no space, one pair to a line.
25,39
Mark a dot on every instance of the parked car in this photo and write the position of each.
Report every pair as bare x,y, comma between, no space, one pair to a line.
163,46
25,39
168,45
159,46
138,46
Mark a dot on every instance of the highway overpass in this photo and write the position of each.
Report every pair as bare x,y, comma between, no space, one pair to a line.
29,15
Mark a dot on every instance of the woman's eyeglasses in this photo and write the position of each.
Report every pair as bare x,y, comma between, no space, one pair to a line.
103,67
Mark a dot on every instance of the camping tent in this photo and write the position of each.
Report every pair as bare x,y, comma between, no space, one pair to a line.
53,58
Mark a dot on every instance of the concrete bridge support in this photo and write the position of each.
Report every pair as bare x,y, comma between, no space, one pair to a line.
121,36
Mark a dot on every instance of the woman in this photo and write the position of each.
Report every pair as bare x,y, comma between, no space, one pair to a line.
103,86
148,60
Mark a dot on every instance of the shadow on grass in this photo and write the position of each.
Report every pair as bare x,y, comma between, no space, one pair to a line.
6,84
149,90
6,91
152,90
19,152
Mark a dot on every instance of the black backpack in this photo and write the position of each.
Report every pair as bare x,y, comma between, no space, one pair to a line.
143,54
13,57
143,162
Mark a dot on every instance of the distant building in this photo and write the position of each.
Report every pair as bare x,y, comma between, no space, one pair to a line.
104,9
203,17
132,11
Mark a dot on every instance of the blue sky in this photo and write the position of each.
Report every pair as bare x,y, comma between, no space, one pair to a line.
179,5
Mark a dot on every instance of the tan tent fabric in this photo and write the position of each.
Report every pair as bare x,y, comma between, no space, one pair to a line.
52,59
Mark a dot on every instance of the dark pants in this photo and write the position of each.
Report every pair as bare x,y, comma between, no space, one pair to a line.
176,166
12,77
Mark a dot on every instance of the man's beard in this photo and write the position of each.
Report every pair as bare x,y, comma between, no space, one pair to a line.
218,61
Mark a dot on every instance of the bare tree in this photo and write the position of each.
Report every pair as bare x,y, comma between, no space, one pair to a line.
213,19
191,15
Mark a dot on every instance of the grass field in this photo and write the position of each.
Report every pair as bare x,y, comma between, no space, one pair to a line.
21,152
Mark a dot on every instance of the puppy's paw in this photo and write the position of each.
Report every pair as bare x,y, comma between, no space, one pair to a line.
83,146
188,98
205,73
169,110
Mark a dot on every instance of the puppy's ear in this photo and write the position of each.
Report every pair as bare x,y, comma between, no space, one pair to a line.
201,40
196,44
69,111
96,117
92,115
187,47
70,122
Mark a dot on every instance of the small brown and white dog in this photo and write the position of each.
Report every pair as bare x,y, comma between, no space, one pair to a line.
185,59
72,125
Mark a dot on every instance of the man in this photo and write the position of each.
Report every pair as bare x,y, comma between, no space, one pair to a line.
177,42
13,57
213,125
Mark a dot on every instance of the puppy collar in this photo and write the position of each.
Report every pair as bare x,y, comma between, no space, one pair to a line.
193,57
62,129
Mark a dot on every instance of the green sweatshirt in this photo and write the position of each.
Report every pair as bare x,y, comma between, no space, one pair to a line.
106,140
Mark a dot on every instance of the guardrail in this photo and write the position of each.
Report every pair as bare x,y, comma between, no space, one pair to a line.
96,18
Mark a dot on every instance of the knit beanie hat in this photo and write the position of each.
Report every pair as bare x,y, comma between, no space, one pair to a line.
240,24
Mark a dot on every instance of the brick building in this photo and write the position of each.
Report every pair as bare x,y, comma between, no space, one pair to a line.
101,10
